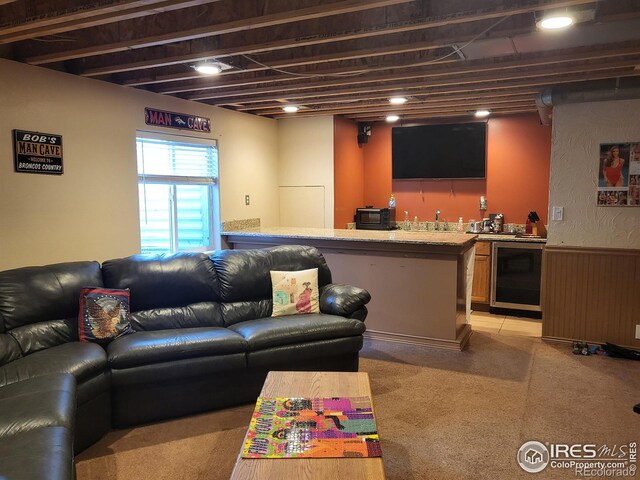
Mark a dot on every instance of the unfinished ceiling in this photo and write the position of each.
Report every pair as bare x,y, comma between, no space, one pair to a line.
339,57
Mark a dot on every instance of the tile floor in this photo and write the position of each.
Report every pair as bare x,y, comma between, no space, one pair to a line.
506,325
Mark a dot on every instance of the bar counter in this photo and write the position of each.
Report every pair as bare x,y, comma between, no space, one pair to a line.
419,282
393,236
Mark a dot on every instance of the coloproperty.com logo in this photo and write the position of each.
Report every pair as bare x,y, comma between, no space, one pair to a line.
584,459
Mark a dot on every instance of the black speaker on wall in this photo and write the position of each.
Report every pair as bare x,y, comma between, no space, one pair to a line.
364,130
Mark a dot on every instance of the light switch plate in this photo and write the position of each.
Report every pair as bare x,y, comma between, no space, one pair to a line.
247,200
638,332
558,213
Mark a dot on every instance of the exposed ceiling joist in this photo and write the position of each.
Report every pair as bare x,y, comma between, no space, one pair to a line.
496,71
362,101
385,107
413,70
368,53
458,113
483,82
338,36
99,15
333,57
330,9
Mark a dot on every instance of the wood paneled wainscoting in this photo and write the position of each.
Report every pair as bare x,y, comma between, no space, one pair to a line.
591,294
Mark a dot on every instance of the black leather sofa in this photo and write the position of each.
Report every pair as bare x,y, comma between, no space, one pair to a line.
203,339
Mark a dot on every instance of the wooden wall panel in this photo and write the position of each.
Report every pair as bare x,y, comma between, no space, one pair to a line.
591,294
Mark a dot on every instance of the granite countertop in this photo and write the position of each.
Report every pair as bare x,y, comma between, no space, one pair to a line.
393,236
509,238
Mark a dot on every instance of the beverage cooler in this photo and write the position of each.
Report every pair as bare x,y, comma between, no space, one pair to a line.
516,273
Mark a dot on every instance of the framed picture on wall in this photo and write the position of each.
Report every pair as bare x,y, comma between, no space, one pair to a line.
37,152
619,175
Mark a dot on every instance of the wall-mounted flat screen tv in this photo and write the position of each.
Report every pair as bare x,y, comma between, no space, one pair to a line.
439,151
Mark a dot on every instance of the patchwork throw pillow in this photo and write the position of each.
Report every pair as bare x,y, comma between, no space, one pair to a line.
295,292
104,314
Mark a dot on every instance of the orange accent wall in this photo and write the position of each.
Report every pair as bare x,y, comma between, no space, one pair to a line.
348,171
518,158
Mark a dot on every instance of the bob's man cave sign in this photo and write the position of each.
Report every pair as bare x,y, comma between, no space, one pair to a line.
36,152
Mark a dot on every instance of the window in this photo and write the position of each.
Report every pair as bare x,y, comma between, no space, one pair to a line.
178,194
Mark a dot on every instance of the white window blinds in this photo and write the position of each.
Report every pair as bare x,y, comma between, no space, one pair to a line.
173,159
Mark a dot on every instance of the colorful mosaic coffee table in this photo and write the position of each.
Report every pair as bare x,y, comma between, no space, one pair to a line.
314,385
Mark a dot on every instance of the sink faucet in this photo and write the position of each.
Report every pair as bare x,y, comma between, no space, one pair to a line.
436,223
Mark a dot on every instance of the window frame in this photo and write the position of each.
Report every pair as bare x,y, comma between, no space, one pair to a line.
172,181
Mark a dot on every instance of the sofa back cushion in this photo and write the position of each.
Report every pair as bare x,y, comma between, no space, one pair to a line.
167,291
245,280
202,314
39,305
9,349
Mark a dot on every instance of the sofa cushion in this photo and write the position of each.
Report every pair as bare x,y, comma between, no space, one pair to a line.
203,314
82,360
45,296
9,349
144,348
178,371
41,453
163,281
38,336
38,402
295,292
273,332
244,274
327,355
237,312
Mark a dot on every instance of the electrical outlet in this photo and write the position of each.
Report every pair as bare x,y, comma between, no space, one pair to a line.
247,200
638,332
558,213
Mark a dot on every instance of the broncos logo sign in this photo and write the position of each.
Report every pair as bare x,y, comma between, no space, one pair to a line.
181,121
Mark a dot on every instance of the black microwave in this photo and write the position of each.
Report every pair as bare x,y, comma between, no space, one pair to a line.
375,218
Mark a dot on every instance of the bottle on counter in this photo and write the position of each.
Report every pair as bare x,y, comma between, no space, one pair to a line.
406,225
416,225
460,225
392,201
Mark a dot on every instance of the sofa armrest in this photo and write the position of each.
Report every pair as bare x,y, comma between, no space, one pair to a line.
343,300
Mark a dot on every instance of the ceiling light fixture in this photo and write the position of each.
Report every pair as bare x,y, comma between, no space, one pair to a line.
482,113
397,100
555,22
290,109
208,67
392,118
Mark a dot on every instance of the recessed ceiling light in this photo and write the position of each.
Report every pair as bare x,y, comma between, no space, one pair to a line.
482,113
290,109
397,100
208,68
555,22
392,118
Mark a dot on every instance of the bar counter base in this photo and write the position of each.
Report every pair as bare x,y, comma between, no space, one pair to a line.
458,344
420,290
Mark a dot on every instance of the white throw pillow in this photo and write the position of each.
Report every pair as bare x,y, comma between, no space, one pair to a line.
295,292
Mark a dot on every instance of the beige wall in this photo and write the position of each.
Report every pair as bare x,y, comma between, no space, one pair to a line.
91,211
305,148
578,131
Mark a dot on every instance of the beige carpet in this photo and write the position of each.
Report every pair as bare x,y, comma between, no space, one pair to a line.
441,415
